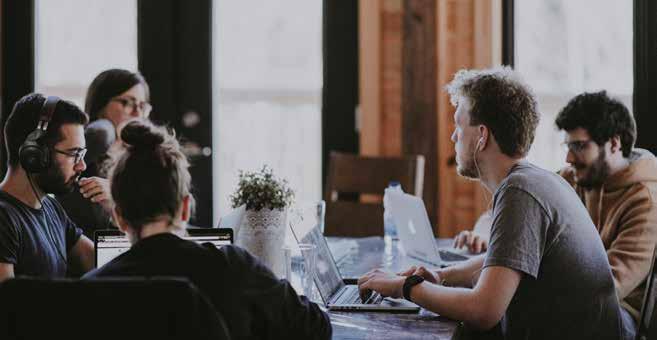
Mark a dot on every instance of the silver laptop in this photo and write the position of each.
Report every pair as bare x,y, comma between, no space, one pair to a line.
415,232
335,293
111,243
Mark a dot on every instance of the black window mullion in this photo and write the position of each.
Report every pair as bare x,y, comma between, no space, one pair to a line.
17,63
645,73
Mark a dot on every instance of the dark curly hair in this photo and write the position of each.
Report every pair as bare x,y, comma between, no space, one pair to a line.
602,117
501,101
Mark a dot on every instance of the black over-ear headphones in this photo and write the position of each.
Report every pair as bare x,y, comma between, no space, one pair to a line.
33,155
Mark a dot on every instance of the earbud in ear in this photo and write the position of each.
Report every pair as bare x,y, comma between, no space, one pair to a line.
479,142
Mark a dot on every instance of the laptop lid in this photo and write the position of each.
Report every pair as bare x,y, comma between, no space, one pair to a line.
413,228
111,243
327,275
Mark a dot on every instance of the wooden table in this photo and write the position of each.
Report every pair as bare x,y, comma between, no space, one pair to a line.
357,256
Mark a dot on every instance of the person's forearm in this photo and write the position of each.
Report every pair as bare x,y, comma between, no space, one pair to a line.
82,256
454,303
464,274
482,307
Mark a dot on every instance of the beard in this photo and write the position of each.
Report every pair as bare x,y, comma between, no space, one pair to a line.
597,172
53,181
468,167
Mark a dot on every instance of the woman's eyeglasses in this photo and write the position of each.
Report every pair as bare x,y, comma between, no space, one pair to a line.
130,105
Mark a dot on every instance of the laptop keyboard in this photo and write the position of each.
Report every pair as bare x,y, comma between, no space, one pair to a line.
447,255
352,297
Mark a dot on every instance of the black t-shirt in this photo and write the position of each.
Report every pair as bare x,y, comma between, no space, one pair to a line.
254,303
36,241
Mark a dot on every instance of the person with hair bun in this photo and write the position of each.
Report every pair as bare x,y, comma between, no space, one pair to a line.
150,184
114,97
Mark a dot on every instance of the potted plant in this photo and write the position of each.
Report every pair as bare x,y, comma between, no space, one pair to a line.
262,229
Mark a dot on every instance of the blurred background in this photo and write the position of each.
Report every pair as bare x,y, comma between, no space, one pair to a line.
284,83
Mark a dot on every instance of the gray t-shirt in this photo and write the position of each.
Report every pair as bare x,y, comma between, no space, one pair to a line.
541,228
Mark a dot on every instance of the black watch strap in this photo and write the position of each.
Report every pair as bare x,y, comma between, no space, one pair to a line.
409,283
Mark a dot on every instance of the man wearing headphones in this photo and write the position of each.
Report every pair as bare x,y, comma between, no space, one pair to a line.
45,145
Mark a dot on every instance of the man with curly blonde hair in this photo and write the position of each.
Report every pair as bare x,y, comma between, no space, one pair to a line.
546,274
617,183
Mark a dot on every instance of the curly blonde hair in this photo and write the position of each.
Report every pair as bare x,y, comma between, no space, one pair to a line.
501,101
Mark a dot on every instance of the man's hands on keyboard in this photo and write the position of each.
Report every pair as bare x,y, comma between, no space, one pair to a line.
384,283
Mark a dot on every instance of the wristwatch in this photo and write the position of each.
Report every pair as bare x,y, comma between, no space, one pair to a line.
409,283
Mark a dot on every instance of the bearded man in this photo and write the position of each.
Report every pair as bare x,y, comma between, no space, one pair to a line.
44,139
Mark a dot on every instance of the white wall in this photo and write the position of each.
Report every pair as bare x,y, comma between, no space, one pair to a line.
267,94
566,47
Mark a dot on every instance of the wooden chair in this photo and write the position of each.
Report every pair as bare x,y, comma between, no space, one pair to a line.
647,327
356,176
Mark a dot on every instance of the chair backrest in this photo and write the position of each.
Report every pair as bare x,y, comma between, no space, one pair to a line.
359,175
157,308
647,327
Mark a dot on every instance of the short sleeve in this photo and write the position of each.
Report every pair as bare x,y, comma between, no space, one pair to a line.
73,234
71,231
518,233
9,240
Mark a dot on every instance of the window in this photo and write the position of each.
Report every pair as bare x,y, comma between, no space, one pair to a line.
564,48
267,94
78,39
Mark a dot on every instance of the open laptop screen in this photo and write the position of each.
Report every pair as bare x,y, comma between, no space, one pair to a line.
112,243
328,278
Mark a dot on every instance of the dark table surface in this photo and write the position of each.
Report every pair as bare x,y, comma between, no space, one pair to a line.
357,256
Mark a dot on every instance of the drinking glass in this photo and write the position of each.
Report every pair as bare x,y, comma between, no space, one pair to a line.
300,267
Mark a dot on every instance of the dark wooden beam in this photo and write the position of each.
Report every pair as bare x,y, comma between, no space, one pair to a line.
645,73
17,63
419,92
508,32
340,90
175,57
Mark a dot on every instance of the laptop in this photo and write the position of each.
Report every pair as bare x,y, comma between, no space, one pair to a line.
110,243
335,293
415,232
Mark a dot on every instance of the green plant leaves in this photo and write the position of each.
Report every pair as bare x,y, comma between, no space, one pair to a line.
261,189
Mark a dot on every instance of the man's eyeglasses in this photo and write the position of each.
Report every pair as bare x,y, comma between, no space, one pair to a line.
77,154
577,146
130,104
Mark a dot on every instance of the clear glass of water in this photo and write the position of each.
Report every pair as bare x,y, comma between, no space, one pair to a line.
300,267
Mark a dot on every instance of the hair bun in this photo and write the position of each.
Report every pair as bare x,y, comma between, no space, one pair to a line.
141,135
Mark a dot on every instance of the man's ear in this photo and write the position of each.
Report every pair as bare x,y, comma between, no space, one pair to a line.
482,142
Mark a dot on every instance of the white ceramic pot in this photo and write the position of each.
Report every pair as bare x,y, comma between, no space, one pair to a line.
262,233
